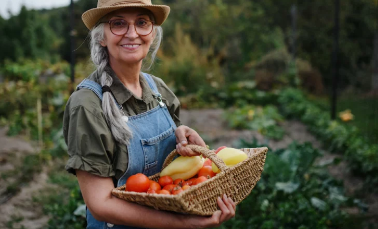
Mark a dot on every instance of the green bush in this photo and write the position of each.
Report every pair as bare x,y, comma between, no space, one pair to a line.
26,82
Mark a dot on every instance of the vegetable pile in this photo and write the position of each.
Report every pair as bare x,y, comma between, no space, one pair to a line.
184,172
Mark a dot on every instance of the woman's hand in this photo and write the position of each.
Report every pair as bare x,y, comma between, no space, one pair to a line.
226,212
185,136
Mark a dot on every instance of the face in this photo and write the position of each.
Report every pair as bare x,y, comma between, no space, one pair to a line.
129,48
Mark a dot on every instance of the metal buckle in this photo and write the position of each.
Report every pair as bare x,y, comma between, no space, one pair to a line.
160,101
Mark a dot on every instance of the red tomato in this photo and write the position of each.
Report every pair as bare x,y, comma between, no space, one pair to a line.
165,192
165,180
151,191
206,171
137,183
169,187
191,180
178,182
175,192
155,186
219,149
207,162
185,187
199,180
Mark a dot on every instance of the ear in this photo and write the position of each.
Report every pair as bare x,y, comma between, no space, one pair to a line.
102,43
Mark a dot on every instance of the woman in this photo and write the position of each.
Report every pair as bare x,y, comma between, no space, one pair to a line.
121,121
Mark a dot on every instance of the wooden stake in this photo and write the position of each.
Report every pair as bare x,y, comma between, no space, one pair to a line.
39,116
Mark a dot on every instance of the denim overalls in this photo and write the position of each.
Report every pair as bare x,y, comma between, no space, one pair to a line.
153,139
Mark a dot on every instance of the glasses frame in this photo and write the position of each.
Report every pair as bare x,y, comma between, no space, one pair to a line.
128,26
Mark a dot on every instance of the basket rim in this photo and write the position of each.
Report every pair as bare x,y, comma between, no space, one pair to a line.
262,150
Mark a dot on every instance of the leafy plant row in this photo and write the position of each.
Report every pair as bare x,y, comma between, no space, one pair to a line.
262,119
360,154
294,193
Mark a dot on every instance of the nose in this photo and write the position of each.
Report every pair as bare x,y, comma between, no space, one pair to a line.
131,32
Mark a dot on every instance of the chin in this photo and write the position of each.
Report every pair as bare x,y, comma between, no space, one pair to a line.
133,59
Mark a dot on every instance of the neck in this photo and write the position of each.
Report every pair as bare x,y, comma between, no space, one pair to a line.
128,74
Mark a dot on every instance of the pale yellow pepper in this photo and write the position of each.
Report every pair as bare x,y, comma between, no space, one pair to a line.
183,167
230,157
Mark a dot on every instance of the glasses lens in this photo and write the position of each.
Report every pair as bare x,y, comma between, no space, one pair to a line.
143,26
118,27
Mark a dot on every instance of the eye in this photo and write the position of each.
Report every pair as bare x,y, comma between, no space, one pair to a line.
142,22
118,23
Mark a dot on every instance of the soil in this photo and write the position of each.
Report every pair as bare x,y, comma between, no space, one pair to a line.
22,211
18,210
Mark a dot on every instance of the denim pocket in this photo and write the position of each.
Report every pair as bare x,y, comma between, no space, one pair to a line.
151,147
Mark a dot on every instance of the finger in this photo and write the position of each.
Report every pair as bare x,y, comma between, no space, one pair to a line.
180,150
178,133
214,221
199,141
191,152
233,203
195,138
231,209
224,210
180,136
184,143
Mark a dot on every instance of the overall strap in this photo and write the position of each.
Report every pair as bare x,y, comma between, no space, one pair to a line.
153,86
91,85
152,83
95,87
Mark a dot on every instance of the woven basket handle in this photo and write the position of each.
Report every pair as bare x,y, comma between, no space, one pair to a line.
199,149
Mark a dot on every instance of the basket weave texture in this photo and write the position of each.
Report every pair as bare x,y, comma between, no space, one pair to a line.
236,182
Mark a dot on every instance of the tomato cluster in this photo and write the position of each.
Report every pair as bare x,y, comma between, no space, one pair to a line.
166,185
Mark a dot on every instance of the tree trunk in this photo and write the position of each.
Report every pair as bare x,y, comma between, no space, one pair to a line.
374,84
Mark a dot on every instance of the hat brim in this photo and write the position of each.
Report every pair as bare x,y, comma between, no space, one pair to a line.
91,17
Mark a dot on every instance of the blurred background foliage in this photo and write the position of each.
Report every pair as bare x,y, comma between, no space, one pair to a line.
230,54
223,40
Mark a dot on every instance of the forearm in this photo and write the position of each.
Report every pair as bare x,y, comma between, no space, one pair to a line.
120,212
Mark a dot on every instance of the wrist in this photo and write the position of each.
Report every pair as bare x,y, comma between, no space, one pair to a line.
188,222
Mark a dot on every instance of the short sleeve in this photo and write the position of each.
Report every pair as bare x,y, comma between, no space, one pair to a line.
89,140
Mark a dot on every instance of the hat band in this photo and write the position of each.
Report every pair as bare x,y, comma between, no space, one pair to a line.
123,2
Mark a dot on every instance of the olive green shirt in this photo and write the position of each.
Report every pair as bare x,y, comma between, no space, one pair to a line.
91,146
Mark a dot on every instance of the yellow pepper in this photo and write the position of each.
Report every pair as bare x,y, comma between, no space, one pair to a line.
346,116
230,157
183,167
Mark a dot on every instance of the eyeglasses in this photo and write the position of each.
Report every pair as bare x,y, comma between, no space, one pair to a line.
120,27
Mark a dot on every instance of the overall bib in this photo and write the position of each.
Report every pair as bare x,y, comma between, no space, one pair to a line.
153,139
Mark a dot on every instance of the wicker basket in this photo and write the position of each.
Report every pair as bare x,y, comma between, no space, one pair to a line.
236,182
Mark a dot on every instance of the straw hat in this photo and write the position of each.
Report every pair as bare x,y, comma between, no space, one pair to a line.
91,17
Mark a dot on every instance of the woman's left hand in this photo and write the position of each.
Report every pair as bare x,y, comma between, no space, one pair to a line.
185,136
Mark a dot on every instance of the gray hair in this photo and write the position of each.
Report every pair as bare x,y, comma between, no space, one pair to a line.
99,55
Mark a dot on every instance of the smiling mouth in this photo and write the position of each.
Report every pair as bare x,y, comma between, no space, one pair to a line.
130,46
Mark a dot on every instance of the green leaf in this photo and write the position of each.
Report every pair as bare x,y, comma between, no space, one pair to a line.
318,203
287,187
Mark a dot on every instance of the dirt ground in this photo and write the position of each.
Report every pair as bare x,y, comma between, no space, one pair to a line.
20,210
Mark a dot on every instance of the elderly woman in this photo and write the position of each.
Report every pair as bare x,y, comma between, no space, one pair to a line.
121,121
